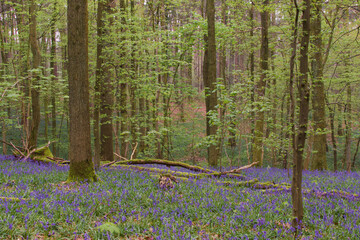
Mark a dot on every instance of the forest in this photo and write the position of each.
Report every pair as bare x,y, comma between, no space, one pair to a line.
179,119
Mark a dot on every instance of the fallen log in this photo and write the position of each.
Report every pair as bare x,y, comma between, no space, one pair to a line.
14,199
183,174
166,163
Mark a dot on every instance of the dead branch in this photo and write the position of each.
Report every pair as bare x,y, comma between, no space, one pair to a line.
121,157
242,168
10,144
166,163
17,149
133,152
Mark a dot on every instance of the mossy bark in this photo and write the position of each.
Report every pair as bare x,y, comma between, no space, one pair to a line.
80,172
165,162
81,165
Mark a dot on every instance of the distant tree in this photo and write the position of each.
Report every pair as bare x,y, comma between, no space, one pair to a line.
318,96
209,74
103,88
81,165
35,94
257,149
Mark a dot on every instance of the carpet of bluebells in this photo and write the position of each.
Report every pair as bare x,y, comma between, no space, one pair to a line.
129,204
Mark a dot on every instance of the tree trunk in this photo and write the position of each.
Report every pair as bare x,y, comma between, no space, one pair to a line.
318,96
257,149
304,95
348,130
123,93
209,75
53,66
333,139
35,95
106,93
81,165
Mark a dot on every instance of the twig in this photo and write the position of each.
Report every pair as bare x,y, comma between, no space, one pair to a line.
3,95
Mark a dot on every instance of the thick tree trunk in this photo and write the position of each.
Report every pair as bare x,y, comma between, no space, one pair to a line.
81,165
318,96
304,94
35,94
257,148
209,75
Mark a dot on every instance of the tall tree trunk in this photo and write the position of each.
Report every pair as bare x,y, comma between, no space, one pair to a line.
35,94
209,75
257,149
304,94
318,96
123,92
105,8
81,164
292,102
54,71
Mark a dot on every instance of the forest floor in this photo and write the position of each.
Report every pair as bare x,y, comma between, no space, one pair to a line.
36,203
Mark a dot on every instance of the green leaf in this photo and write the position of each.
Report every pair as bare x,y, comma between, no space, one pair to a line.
109,227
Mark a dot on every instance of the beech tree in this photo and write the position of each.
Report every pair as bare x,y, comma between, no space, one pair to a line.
81,164
304,95
209,75
35,94
257,148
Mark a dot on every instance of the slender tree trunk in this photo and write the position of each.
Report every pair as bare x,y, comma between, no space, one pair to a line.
333,139
318,96
292,101
106,93
54,71
123,93
35,94
348,130
304,94
252,68
209,75
81,164
257,149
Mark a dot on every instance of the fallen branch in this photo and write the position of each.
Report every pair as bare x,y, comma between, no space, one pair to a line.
121,157
13,199
10,144
181,174
17,149
240,169
133,152
166,163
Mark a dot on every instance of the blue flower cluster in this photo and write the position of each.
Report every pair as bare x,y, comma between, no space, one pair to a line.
36,204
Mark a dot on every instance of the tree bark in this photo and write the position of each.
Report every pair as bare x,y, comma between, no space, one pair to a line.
53,66
348,130
296,186
103,77
257,149
35,94
318,96
209,76
81,165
